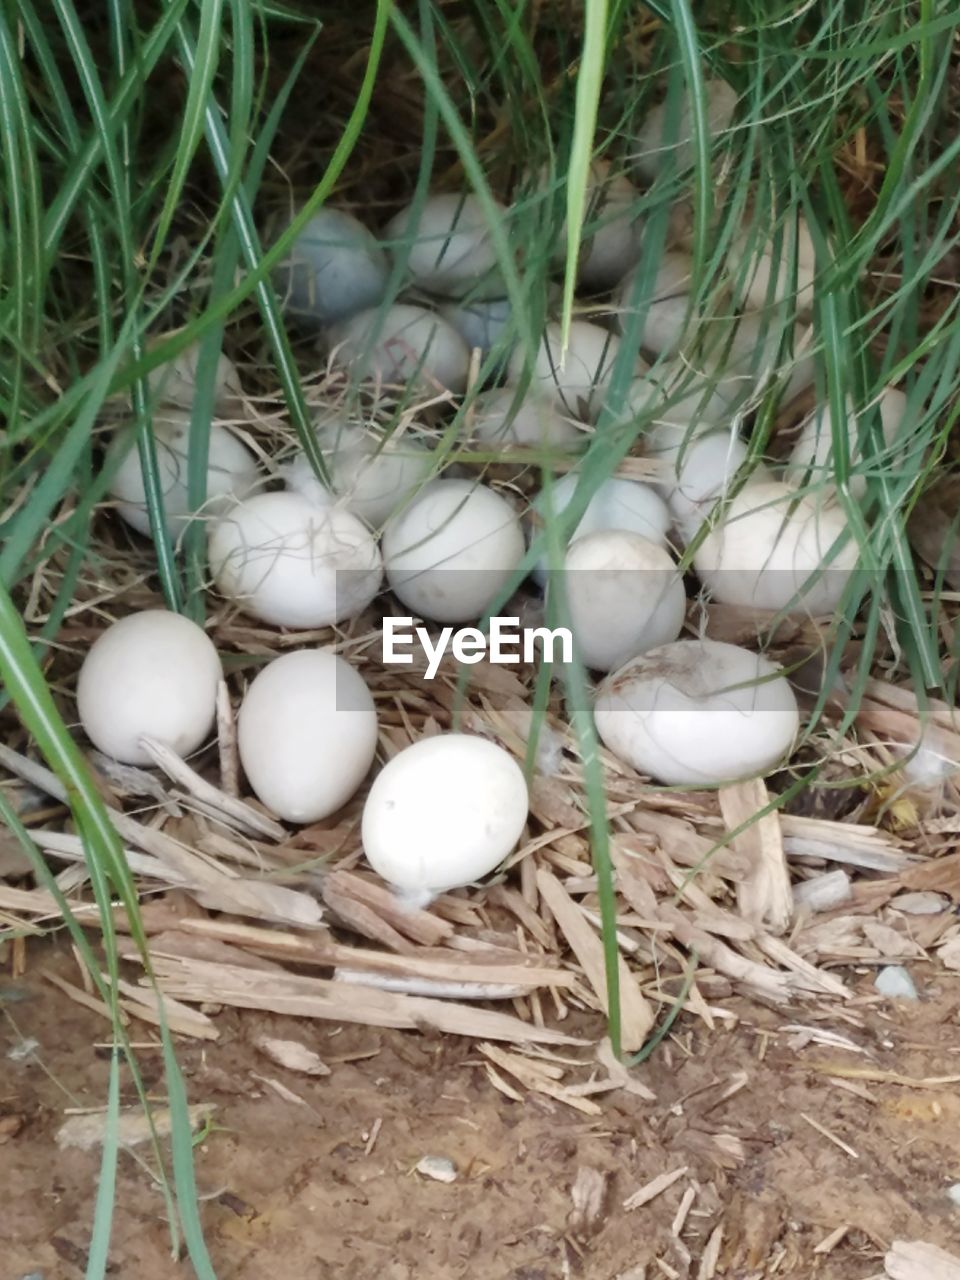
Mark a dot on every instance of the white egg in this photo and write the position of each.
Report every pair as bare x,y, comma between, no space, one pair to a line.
152,674
578,381
656,140
674,398
535,422
373,475
452,550
767,544
616,504
698,470
293,564
698,713
739,356
448,250
613,229
175,381
307,734
483,325
443,813
811,460
624,596
406,343
231,472
763,271
335,268
668,318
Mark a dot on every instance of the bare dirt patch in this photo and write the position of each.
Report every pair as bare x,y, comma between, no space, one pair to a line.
326,1187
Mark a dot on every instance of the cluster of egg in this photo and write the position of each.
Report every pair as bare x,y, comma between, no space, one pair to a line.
313,555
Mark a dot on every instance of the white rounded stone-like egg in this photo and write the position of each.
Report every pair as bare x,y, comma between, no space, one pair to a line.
335,268
775,270
613,228
624,595
307,734
579,380
534,423
407,343
231,472
698,713
448,250
674,398
175,381
443,813
285,560
810,460
668,317
452,550
152,674
654,143
373,475
698,470
768,544
616,504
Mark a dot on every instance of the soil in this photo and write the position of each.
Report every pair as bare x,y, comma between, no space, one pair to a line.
326,1187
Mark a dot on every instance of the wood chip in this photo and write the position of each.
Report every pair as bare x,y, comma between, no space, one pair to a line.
764,895
653,1189
917,1260
234,812
197,981
589,1194
636,1013
86,1132
539,1078
293,1055
831,1137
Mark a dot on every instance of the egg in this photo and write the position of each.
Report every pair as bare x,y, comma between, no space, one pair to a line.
673,398
404,344
764,273
668,316
623,596
698,713
152,674
484,325
307,734
443,813
288,562
698,470
612,226
336,268
654,142
810,460
448,250
231,472
767,544
616,503
175,381
738,356
534,423
579,381
371,474
452,550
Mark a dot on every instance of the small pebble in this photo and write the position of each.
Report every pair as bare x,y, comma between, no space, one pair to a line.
20,1052
920,904
439,1168
953,1193
894,981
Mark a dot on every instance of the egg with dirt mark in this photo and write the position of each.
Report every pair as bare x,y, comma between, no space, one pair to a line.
698,713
